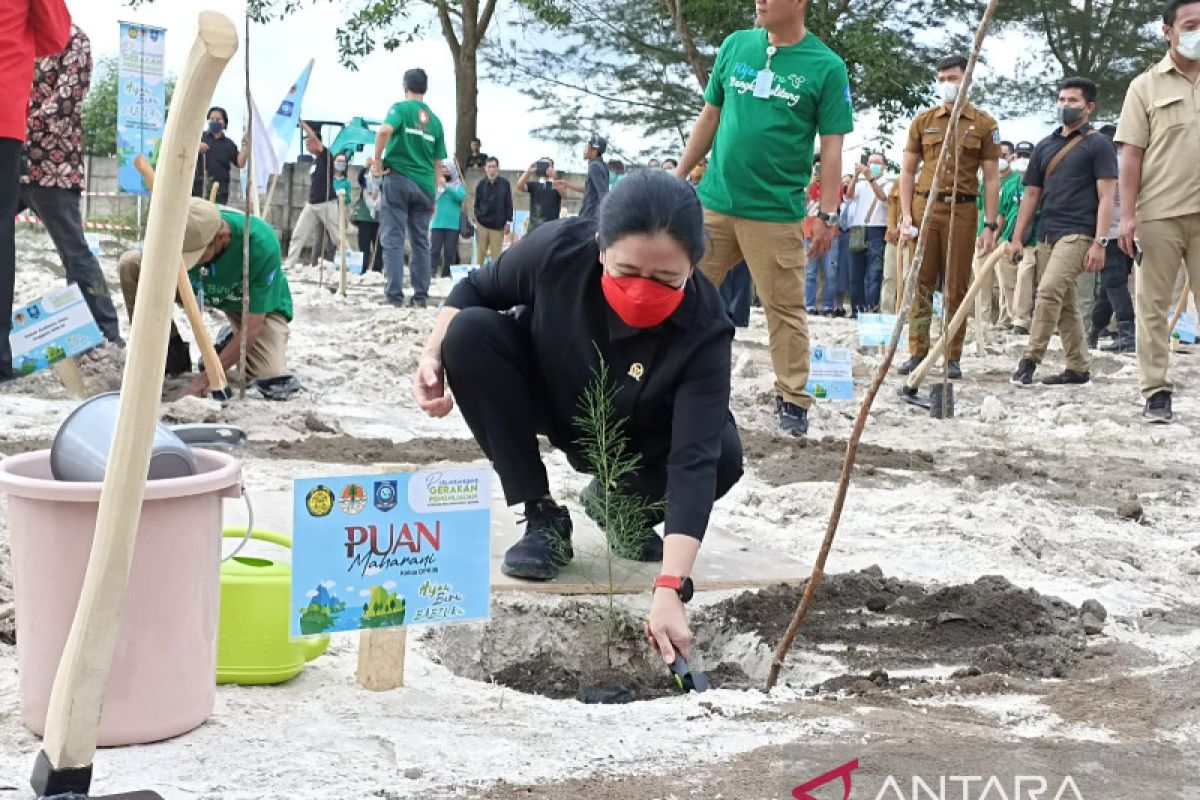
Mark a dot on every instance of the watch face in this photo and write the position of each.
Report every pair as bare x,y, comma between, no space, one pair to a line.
686,589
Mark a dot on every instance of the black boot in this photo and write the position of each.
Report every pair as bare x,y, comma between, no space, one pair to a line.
1125,341
546,545
645,545
179,358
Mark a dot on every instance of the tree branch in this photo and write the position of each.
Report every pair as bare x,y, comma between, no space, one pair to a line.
443,10
690,52
485,19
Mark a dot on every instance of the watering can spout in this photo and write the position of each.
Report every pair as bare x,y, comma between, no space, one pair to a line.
314,647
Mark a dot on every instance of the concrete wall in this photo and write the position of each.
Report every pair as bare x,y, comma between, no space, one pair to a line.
290,195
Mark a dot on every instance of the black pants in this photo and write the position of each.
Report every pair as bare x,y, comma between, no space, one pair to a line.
1112,289
59,211
444,248
368,242
10,194
490,367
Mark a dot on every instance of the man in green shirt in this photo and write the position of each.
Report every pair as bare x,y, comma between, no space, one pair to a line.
994,304
409,148
212,249
773,89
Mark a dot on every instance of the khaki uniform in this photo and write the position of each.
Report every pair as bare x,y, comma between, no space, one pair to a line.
1161,116
1025,289
948,252
891,256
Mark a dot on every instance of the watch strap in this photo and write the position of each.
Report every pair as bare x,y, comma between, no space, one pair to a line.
669,582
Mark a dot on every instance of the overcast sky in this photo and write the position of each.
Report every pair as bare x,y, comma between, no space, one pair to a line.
278,53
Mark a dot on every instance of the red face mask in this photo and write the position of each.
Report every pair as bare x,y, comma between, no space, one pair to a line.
640,302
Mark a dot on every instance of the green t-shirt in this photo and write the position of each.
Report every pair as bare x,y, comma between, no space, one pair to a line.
762,155
415,142
1011,189
221,280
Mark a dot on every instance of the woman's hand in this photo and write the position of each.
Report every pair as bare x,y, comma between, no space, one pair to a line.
667,627
429,387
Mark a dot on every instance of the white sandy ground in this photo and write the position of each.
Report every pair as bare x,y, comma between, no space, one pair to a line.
321,736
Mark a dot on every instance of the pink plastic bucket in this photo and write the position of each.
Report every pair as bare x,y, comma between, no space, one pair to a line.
163,679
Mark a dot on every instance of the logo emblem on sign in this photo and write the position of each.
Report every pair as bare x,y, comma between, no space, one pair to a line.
385,495
319,501
354,498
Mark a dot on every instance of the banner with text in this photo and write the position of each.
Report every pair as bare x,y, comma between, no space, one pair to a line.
141,102
51,328
379,551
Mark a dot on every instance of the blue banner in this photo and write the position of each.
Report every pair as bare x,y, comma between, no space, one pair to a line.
287,116
379,551
141,102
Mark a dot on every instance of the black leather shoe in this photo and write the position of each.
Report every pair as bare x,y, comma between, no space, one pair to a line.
645,545
910,365
953,370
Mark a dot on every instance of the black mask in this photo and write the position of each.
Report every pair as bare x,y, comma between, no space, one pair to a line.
1069,115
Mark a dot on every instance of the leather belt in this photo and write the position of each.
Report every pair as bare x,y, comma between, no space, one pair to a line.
950,198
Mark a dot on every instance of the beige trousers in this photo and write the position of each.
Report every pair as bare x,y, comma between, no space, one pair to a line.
1059,266
774,251
1165,243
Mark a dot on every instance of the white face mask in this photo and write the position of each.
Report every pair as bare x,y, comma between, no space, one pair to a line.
948,91
1189,45
1004,165
1020,164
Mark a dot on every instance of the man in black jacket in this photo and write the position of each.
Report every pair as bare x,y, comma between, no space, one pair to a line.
493,212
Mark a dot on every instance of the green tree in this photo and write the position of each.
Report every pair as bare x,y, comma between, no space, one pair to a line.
100,108
1108,41
392,23
643,63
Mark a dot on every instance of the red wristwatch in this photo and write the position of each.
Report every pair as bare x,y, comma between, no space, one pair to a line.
682,586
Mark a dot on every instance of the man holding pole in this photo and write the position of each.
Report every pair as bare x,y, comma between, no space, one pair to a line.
1072,176
950,241
1160,192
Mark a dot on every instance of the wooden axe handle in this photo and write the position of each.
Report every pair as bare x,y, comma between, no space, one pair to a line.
75,699
960,316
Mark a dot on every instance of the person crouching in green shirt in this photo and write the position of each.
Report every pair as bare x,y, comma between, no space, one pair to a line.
212,249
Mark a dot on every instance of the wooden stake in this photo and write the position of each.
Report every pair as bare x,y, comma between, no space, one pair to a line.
1179,308
68,372
75,700
243,378
381,650
342,241
270,193
212,196
839,502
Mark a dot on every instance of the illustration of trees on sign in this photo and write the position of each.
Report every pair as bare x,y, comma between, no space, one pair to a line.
383,609
321,612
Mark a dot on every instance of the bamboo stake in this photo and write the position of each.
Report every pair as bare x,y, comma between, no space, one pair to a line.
856,434
270,193
242,377
212,195
1179,308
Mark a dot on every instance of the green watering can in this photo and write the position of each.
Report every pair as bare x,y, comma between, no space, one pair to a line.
253,645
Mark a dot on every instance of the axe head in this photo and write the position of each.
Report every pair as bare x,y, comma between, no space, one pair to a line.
72,783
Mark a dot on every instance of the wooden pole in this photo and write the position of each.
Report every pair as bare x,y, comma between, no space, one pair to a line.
208,353
212,195
75,700
1179,308
839,502
68,372
270,193
243,379
342,242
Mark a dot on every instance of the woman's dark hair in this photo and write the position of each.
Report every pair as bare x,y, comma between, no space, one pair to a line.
224,114
650,203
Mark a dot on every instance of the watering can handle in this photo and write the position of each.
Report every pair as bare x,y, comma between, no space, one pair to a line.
262,536
250,533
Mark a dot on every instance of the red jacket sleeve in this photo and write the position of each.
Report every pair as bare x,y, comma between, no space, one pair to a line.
51,25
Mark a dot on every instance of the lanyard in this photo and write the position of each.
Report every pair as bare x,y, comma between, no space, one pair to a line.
200,283
771,51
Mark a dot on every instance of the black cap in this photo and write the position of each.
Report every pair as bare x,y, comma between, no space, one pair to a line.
1025,148
598,142
1109,130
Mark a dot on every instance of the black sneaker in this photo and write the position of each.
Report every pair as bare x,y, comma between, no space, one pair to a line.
953,370
546,546
1024,373
1068,377
179,357
910,365
1020,330
1158,408
645,546
414,302
793,419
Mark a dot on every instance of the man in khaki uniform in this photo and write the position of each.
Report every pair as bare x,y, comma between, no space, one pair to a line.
892,285
948,251
1160,192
